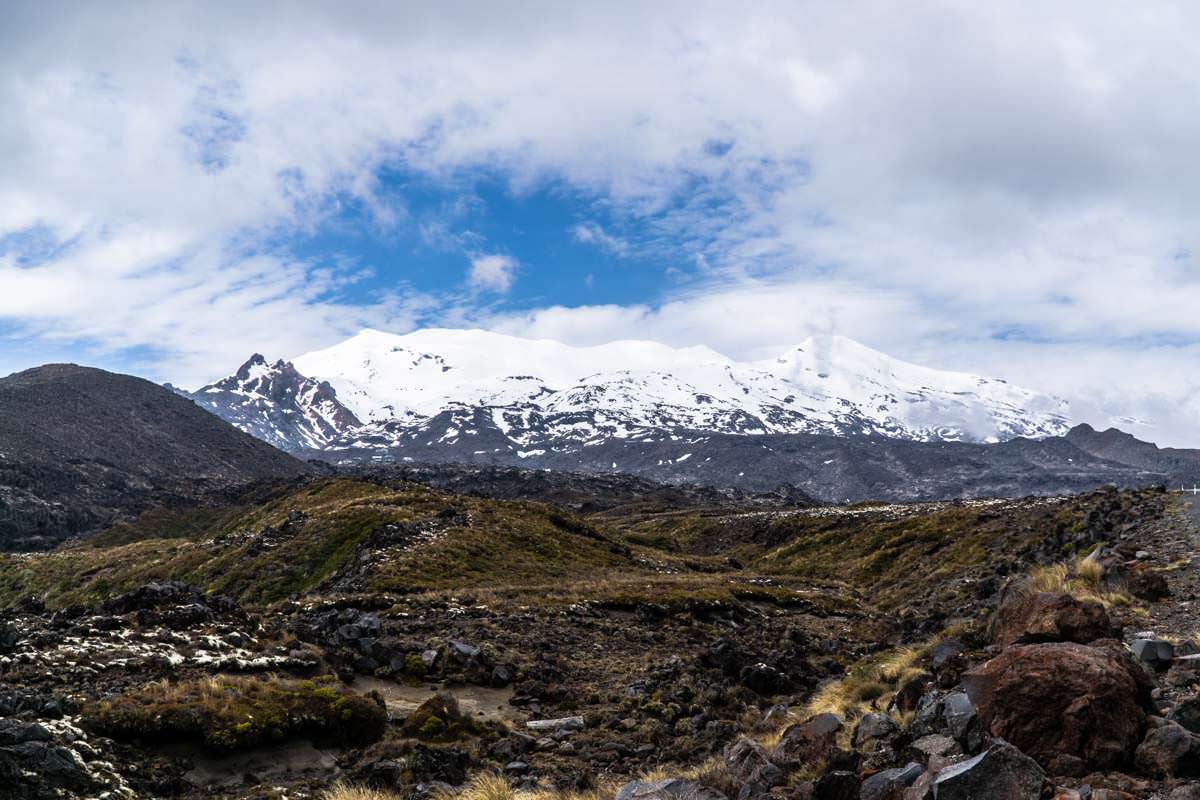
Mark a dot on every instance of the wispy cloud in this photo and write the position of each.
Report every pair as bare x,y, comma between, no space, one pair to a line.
592,233
493,273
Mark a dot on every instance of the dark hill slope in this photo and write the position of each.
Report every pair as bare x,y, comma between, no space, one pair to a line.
81,446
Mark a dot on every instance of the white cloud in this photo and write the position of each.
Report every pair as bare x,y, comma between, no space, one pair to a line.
493,273
594,234
1005,188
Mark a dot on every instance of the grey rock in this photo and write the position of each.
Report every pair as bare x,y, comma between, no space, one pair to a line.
1156,653
748,762
667,789
890,783
874,726
559,724
1001,772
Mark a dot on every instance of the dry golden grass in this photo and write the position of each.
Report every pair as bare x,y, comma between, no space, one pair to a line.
1083,580
490,786
868,685
346,791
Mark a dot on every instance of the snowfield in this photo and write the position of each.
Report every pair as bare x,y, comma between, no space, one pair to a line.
532,392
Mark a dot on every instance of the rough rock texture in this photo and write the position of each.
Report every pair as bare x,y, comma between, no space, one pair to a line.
1051,617
889,784
1168,751
1002,772
807,742
1071,707
667,789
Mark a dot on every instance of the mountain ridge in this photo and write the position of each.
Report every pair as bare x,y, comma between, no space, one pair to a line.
543,394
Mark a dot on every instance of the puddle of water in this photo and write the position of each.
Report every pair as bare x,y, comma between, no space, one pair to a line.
481,702
275,761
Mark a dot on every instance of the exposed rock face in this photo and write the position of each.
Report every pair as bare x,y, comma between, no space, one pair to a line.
1071,707
1051,617
1002,772
278,405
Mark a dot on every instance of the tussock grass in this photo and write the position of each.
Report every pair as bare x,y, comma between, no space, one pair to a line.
868,685
490,786
1082,579
347,791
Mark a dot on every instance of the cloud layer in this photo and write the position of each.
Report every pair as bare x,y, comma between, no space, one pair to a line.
1005,188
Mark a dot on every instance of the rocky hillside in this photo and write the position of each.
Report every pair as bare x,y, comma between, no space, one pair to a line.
80,446
415,642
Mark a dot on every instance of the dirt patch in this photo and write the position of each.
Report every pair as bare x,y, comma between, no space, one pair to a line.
477,702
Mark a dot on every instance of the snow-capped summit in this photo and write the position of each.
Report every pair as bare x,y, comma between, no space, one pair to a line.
279,405
442,385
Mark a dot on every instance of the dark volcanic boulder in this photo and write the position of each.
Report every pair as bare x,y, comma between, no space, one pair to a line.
1168,751
747,762
1002,772
1051,617
1146,584
667,789
1072,707
808,742
890,784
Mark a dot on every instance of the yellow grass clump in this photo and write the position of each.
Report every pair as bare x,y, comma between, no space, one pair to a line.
1083,579
347,791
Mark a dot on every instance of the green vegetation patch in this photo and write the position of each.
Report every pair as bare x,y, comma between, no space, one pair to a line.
228,713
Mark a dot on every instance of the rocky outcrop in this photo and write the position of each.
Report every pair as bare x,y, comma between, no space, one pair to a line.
1071,707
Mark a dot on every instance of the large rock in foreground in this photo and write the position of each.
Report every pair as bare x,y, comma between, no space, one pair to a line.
1072,707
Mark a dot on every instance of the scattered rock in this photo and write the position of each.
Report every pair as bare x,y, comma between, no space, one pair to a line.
1156,653
748,762
836,785
890,783
874,726
559,724
1002,772
1146,584
1169,750
807,742
667,789
1187,713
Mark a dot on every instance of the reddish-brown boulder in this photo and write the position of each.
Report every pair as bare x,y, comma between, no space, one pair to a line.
1072,707
1051,617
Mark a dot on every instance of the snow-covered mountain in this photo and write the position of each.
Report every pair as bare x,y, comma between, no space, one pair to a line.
485,392
277,404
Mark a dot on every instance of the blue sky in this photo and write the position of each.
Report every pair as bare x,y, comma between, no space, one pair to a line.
1006,189
569,248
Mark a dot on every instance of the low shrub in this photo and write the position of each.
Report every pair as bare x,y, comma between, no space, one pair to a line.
228,713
